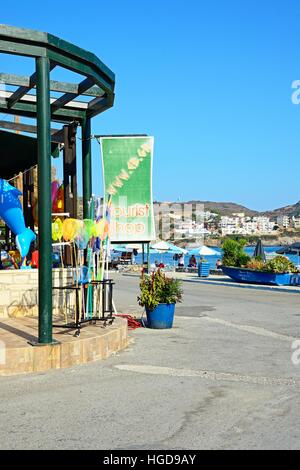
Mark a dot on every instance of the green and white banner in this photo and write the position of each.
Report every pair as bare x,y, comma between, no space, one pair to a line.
127,178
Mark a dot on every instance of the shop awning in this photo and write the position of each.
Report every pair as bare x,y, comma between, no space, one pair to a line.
18,153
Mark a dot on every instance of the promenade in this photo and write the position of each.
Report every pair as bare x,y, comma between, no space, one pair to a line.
222,378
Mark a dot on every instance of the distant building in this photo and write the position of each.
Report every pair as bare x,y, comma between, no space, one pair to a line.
295,222
245,225
283,221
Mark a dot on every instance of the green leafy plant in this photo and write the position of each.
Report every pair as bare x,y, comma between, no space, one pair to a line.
256,264
280,264
157,288
233,253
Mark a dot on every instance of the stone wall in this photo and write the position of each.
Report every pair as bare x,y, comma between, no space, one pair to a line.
19,292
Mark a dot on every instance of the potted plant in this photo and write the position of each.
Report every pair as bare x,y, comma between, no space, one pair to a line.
203,268
241,268
159,294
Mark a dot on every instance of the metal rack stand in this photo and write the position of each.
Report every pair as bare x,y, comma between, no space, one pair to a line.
105,315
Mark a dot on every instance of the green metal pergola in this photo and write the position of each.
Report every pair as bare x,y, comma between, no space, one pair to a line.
32,98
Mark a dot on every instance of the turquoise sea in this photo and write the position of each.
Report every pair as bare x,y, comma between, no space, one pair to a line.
167,258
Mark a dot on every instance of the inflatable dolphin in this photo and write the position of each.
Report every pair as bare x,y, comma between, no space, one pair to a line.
12,214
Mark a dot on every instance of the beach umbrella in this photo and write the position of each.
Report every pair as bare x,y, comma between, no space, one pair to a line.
161,247
176,249
118,248
128,248
132,247
165,247
259,251
204,251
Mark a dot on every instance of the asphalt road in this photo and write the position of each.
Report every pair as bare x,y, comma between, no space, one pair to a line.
221,378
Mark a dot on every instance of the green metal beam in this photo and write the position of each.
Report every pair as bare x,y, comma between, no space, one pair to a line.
38,38
99,105
89,70
44,195
100,80
16,48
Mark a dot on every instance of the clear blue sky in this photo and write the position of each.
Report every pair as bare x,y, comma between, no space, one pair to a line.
211,80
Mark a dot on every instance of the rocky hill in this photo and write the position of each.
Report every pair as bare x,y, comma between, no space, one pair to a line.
228,208
292,210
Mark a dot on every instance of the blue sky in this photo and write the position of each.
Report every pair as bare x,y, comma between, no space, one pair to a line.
211,80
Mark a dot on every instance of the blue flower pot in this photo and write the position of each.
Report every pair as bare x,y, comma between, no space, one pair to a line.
203,269
161,317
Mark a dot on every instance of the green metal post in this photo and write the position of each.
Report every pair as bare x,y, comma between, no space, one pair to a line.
86,166
148,257
44,194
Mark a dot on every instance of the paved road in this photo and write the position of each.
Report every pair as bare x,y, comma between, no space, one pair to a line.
222,378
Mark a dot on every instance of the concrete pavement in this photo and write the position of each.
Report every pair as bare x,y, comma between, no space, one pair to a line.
222,378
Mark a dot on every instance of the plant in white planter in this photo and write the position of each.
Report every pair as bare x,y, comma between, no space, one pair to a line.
159,294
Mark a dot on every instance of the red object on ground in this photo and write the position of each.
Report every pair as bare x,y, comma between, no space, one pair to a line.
132,322
35,259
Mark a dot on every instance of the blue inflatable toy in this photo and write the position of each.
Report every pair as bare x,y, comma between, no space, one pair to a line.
12,214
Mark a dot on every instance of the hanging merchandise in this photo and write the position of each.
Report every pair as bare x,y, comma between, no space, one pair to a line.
54,190
90,228
57,197
69,229
60,199
102,229
81,236
12,214
57,230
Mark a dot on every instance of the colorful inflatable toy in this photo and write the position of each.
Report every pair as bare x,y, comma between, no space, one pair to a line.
12,214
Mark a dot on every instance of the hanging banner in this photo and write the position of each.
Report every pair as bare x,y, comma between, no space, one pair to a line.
127,179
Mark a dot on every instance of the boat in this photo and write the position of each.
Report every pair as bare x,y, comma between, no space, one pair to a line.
250,276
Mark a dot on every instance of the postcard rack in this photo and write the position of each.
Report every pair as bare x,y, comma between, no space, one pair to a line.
93,303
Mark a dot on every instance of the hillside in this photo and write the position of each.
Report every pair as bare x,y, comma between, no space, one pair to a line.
292,210
226,208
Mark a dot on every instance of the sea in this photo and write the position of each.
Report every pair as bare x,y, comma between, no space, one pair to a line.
167,258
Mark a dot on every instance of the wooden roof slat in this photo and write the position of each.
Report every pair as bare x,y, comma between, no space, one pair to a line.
23,90
99,80
67,97
61,87
30,98
57,134
29,110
